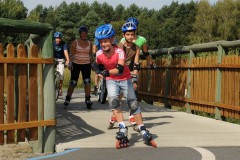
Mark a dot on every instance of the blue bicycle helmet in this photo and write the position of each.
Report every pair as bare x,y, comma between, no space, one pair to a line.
57,35
104,31
83,29
129,26
133,20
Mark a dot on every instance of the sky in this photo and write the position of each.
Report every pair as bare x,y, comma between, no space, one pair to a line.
150,4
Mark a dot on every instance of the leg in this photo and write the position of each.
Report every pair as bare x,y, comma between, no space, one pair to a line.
86,72
60,69
72,83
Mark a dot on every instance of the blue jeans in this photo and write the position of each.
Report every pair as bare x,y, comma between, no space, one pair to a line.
115,87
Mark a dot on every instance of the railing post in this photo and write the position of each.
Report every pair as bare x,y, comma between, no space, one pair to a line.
167,82
49,136
221,53
191,56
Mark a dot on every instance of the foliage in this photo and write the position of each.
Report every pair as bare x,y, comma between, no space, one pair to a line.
171,26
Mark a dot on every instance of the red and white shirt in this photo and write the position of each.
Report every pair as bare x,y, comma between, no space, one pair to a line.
111,63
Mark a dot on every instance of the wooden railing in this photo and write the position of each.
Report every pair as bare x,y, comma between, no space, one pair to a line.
209,83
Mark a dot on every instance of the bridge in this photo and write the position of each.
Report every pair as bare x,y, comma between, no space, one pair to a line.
83,133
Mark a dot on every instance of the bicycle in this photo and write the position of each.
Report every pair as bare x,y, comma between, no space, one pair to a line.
102,91
57,77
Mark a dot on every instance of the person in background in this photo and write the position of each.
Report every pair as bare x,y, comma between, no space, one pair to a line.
141,42
60,51
81,58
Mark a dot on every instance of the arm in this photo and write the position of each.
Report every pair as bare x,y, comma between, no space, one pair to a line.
66,56
73,47
136,61
148,56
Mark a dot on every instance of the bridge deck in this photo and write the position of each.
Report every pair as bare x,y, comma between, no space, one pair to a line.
79,128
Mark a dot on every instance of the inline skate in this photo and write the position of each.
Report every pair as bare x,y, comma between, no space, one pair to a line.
112,122
133,123
122,138
147,137
66,102
88,102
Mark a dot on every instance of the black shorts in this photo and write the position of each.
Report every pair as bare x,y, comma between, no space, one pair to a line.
84,68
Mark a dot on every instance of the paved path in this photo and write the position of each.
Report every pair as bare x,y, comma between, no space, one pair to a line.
172,130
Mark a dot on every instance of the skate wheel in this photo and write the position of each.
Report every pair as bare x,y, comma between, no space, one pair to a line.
153,143
117,145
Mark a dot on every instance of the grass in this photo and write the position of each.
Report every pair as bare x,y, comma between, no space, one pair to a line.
67,74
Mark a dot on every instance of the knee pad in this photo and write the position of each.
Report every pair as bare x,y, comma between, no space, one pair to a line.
133,106
87,81
72,83
114,102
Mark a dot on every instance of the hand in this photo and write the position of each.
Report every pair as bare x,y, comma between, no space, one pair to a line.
93,66
70,67
104,73
66,63
152,66
134,78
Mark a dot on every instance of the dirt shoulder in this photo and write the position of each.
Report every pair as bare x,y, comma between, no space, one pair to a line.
19,151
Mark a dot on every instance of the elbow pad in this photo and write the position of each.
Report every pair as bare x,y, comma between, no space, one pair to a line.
136,66
120,68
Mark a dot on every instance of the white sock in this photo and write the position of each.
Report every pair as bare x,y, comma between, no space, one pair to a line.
121,125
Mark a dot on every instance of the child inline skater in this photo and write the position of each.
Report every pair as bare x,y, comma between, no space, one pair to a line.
132,52
118,78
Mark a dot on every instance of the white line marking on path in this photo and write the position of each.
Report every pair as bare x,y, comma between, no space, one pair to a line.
206,154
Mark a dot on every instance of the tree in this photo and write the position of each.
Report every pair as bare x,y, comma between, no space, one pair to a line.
12,9
227,16
118,13
205,24
92,21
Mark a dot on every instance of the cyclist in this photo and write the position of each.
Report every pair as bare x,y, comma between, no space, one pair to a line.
81,57
132,52
118,79
60,51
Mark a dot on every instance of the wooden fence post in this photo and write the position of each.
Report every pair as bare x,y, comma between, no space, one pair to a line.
49,136
221,53
191,56
1,95
167,82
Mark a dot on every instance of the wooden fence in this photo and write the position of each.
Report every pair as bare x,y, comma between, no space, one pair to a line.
27,100
209,83
21,78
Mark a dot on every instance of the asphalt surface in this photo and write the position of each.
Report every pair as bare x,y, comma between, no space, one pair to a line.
83,135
